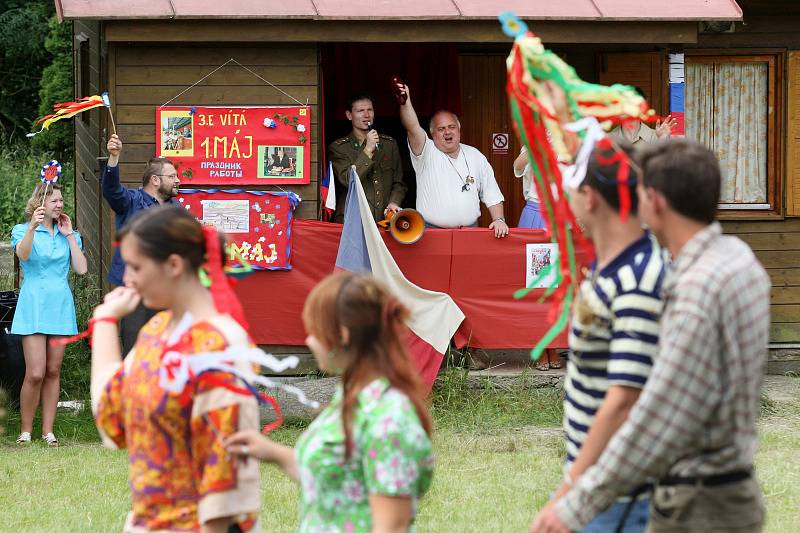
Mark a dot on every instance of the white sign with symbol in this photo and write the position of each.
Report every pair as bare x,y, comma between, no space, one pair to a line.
499,143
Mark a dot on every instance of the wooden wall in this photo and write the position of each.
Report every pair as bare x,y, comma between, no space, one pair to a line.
777,246
89,74
142,77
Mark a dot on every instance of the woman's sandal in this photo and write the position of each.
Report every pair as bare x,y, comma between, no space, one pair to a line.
24,438
50,439
542,364
555,365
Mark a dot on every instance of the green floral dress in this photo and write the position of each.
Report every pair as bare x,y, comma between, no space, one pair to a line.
392,455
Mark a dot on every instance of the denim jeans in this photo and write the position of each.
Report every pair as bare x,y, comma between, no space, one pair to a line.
608,521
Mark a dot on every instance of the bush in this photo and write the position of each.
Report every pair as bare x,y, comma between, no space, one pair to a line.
20,166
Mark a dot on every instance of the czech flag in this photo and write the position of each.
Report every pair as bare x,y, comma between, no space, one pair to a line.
435,317
327,194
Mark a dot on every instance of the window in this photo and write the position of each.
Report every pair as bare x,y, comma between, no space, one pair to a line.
83,65
730,108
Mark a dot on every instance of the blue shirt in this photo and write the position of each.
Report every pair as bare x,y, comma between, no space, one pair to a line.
45,303
126,203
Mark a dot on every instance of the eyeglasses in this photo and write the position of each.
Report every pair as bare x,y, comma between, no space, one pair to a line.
173,176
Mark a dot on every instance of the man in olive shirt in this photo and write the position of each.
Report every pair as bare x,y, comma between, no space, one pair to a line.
376,158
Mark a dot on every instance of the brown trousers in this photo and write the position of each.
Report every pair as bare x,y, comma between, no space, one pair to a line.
732,508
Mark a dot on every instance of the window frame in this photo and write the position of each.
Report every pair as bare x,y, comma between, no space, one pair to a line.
775,124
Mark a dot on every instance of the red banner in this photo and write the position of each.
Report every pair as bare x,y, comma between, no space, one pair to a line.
236,145
258,223
479,271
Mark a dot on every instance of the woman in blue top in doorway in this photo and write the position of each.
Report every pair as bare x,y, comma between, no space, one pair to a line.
46,246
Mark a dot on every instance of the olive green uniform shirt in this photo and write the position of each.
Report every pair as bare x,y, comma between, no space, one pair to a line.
381,176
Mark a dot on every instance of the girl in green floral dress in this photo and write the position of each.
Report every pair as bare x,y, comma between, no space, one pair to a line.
366,459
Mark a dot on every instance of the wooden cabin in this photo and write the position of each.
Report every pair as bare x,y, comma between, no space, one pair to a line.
452,53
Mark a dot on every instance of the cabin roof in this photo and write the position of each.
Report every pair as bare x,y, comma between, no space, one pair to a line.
578,10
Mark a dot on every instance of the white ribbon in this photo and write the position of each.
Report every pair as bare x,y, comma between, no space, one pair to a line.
573,175
185,365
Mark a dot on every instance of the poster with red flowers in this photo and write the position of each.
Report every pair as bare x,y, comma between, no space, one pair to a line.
258,224
236,145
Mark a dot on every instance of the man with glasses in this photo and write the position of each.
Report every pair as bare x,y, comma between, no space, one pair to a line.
159,185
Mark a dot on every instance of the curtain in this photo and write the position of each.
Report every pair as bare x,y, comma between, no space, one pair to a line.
726,110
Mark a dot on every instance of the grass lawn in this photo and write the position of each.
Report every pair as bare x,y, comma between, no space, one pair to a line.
498,456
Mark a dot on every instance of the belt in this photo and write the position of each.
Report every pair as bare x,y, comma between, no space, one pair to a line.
708,481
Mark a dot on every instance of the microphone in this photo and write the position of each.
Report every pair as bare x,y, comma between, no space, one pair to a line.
370,128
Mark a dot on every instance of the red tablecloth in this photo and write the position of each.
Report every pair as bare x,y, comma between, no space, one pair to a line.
479,272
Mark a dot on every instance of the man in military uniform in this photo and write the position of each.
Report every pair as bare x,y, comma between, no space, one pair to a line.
376,158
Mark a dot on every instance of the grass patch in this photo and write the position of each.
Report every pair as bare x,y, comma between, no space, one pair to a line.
461,404
495,467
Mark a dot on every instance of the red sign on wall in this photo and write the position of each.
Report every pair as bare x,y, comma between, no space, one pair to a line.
236,145
258,223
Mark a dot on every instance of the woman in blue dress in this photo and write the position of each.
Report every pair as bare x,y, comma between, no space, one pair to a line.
46,246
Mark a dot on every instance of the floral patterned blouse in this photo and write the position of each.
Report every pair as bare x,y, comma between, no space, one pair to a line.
392,455
180,475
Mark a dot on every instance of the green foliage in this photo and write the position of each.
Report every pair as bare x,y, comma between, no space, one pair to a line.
23,56
56,86
20,165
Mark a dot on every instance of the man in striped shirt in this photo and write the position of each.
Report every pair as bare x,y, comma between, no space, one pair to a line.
614,330
694,426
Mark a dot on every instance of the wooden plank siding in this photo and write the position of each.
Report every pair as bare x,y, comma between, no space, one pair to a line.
147,76
88,208
777,246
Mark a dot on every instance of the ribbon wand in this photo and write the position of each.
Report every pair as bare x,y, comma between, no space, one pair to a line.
51,171
107,103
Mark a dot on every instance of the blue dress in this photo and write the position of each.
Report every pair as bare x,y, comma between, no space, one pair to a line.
45,302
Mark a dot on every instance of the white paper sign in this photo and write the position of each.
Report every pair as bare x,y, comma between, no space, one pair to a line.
229,216
537,257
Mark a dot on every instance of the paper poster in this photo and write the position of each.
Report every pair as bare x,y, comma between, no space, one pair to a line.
229,216
258,223
236,145
537,258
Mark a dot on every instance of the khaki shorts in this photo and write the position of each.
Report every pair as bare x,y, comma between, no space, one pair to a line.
734,507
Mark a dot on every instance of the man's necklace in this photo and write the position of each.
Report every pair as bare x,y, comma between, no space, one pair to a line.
469,179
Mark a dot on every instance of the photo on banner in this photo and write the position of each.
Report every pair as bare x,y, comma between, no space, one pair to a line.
280,161
175,134
537,258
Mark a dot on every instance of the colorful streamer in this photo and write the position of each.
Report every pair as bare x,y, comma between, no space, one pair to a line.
591,107
70,109
179,373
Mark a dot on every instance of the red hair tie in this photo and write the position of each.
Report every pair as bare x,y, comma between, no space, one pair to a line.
225,299
623,174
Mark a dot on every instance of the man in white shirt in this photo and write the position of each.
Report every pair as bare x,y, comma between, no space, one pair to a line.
452,178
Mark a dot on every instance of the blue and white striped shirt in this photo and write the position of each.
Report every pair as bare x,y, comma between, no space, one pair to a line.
614,334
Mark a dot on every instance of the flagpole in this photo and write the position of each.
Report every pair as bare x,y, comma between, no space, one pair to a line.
46,184
107,103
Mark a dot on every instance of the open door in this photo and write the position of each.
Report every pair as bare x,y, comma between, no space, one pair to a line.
485,122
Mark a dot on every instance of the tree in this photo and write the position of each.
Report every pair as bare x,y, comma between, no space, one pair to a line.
57,86
23,56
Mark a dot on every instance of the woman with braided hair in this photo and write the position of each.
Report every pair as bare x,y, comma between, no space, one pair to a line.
366,459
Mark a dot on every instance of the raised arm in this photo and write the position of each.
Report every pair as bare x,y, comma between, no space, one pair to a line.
106,351
521,162
113,191
76,255
24,247
416,135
